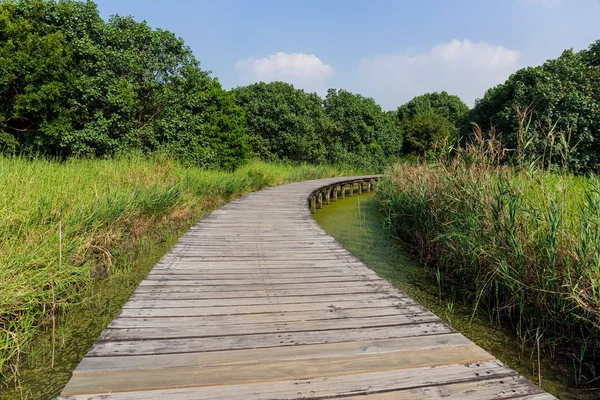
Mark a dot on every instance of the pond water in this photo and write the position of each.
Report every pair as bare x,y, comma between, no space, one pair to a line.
78,329
356,224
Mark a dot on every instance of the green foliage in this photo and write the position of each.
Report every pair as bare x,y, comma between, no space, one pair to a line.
552,109
426,132
449,106
430,121
359,133
283,123
344,129
74,85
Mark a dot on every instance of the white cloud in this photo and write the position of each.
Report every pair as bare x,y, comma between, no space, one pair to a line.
464,68
305,71
546,3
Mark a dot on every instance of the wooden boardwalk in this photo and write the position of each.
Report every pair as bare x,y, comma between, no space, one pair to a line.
257,302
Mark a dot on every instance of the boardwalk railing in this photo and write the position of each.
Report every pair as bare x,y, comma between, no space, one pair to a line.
331,192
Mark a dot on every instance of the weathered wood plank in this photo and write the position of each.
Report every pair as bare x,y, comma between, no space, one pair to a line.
274,370
267,308
366,298
330,386
232,357
195,344
170,329
124,321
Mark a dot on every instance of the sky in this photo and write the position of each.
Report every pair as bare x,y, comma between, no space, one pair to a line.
388,50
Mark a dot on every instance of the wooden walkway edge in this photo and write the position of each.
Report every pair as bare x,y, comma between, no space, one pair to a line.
257,302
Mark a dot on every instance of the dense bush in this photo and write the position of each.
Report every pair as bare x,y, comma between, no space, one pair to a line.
360,133
74,85
551,112
447,105
431,121
283,123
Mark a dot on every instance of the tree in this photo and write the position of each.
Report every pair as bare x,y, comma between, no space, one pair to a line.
74,85
553,110
448,117
426,132
449,106
283,123
360,133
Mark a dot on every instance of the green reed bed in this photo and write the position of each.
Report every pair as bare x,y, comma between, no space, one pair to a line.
65,225
523,247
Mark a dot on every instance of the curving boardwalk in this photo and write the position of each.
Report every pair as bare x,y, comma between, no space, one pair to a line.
257,302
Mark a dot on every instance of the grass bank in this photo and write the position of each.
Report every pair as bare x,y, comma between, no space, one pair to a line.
64,226
522,246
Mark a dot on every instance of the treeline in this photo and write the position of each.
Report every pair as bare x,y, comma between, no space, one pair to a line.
285,123
72,84
550,114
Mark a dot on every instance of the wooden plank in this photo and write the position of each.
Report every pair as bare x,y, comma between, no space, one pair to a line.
170,330
232,357
124,321
262,309
188,293
508,387
364,286
366,298
257,276
232,281
195,344
122,381
327,387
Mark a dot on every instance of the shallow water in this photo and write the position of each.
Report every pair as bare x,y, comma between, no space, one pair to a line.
356,224
78,330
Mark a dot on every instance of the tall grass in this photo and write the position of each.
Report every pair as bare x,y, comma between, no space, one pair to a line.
522,244
65,225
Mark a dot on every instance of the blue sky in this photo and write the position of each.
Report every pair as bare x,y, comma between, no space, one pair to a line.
388,50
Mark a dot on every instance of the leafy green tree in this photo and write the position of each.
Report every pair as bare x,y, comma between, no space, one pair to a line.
426,132
550,112
74,85
360,133
449,106
283,123
448,116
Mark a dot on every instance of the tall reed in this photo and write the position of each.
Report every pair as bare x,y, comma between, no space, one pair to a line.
523,244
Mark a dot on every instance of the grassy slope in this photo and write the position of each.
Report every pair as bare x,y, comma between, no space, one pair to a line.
103,209
525,247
